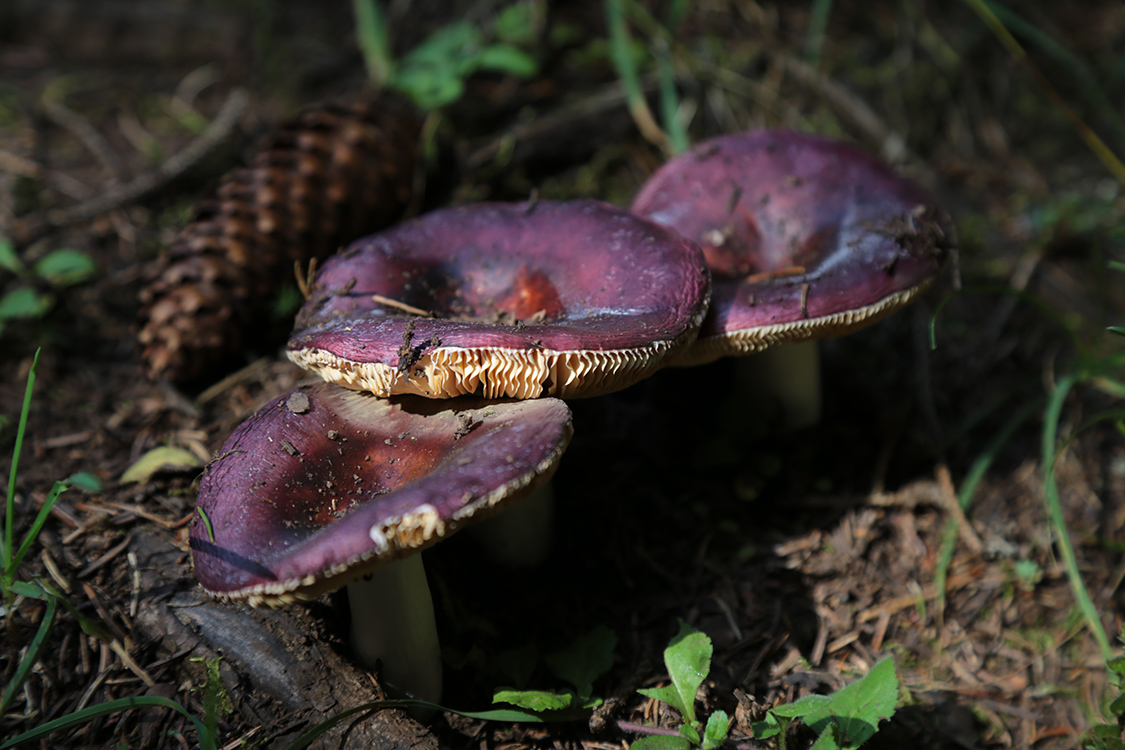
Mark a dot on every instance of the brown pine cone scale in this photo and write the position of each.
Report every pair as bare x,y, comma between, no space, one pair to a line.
334,173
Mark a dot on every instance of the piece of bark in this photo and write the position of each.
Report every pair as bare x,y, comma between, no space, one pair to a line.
271,653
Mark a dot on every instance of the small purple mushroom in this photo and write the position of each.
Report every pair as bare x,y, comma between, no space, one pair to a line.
505,300
326,486
806,237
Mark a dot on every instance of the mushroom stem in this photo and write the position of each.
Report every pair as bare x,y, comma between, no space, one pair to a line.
520,537
393,625
784,380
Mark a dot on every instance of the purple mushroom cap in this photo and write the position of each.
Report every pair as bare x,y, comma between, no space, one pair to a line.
519,300
806,237
324,484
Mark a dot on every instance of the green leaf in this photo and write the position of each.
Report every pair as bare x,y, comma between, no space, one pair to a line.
506,59
688,658
87,481
585,660
661,742
769,727
691,734
429,87
718,724
850,716
447,47
25,302
1117,329
535,700
9,261
516,24
66,267
164,458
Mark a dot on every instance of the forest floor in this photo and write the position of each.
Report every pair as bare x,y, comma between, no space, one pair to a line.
806,558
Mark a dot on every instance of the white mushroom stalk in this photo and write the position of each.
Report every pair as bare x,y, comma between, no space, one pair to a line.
393,628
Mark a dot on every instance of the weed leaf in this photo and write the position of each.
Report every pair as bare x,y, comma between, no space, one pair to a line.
850,716
535,700
718,724
66,267
688,659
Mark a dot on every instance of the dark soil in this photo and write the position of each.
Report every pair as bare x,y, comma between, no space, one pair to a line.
805,557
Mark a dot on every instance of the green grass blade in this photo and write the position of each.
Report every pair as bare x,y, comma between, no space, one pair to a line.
818,23
374,42
1061,54
620,43
678,140
1050,453
1109,159
30,656
40,518
9,517
206,741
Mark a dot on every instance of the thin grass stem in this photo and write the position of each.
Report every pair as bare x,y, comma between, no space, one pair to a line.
6,570
1050,454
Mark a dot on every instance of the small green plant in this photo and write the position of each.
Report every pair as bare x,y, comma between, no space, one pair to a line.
1108,736
579,665
34,296
433,74
843,720
688,659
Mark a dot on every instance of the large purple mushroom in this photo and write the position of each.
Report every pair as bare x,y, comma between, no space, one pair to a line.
806,237
505,300
326,486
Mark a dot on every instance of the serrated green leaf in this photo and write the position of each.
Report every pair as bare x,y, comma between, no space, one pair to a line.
1117,707
661,742
535,700
718,724
65,267
163,458
850,716
25,302
585,660
504,58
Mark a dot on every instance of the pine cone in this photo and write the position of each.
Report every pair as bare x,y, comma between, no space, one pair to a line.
333,174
